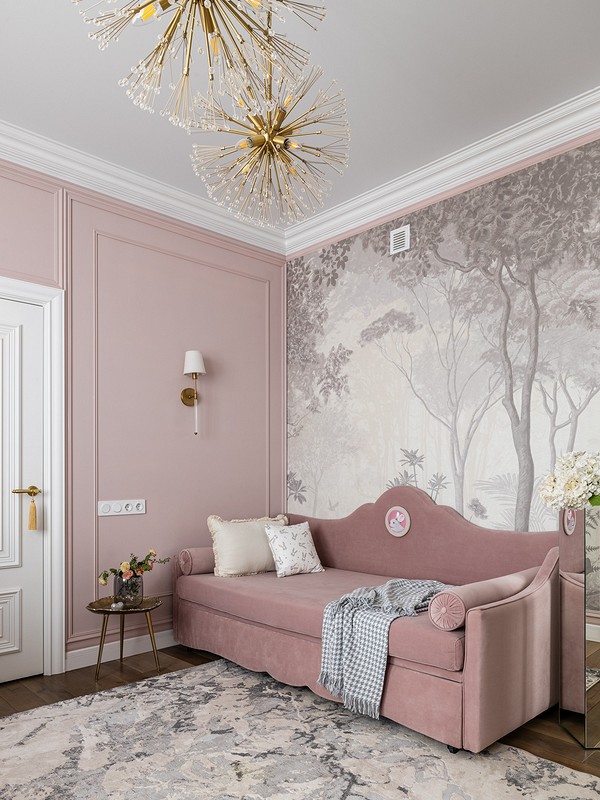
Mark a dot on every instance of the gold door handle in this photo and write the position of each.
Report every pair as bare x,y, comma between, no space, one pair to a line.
31,491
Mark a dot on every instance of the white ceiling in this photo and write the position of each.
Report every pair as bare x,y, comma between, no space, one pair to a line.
423,79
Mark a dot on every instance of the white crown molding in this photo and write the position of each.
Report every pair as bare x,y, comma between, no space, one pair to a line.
553,128
550,129
68,164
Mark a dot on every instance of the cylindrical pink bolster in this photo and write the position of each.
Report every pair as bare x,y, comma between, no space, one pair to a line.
195,560
448,609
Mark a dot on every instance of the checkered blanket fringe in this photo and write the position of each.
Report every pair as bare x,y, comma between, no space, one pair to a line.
355,638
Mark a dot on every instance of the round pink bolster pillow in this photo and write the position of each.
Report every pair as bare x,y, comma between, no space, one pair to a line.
196,560
448,609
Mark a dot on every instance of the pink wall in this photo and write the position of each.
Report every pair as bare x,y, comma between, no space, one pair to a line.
142,289
30,231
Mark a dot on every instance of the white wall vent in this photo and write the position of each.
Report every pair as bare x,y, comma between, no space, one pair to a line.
400,240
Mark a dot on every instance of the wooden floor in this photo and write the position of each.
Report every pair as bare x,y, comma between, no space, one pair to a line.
542,736
42,690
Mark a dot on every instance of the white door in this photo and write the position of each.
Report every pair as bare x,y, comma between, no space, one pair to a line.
22,447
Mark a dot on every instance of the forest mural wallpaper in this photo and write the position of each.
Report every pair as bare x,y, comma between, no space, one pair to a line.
464,365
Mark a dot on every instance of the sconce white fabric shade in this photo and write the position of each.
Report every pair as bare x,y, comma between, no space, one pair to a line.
193,363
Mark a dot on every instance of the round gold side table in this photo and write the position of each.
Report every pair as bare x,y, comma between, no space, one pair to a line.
103,606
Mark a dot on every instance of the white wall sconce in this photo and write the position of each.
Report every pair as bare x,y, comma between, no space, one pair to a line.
193,366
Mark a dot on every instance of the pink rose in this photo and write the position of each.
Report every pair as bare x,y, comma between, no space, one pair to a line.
127,574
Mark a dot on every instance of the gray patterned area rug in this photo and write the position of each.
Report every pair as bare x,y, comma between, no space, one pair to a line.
218,732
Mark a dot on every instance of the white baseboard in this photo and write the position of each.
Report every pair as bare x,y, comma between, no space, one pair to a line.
88,656
592,632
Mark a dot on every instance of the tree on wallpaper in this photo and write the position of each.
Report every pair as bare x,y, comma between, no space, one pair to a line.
316,379
445,371
569,365
523,234
488,325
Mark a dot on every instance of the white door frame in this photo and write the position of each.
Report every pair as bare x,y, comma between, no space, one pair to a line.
51,300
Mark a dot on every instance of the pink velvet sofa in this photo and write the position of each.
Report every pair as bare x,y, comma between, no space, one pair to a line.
480,663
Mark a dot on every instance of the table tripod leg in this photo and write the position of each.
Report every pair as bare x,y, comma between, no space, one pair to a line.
101,648
152,639
121,631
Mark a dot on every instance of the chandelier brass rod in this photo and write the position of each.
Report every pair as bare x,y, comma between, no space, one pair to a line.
256,120
228,118
188,36
269,77
251,193
99,3
169,33
139,7
237,40
205,29
247,23
276,168
239,171
253,181
254,156
294,103
210,26
264,42
290,52
325,111
247,129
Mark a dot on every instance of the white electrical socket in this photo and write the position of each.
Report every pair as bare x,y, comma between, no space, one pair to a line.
120,508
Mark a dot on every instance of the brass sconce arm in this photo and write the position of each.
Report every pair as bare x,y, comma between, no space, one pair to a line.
189,396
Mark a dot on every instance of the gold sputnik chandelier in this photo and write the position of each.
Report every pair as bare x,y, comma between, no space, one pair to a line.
276,172
233,37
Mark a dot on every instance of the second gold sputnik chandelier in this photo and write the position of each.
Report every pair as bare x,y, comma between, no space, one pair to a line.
258,91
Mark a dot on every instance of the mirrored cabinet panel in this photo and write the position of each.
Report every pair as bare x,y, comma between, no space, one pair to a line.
579,707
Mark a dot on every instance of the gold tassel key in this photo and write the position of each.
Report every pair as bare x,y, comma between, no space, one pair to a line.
32,516
31,491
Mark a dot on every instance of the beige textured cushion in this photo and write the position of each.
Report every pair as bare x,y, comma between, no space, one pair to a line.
240,545
293,549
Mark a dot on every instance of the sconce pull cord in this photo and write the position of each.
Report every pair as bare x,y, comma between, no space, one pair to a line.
195,404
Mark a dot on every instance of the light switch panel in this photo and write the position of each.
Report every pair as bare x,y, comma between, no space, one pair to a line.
121,508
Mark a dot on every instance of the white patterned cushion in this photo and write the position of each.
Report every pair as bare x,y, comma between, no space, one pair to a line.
293,549
240,545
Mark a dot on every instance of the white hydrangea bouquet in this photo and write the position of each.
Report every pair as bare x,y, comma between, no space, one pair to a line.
574,483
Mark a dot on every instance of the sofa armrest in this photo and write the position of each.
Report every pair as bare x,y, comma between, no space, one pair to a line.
188,562
511,659
448,609
196,560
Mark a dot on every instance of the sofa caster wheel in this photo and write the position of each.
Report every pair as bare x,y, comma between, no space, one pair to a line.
453,749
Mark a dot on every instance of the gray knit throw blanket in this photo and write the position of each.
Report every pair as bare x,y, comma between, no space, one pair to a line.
355,638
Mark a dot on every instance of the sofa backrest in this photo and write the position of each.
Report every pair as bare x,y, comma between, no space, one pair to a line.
440,544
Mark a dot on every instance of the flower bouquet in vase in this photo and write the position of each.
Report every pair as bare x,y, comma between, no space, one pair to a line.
575,482
129,579
575,486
